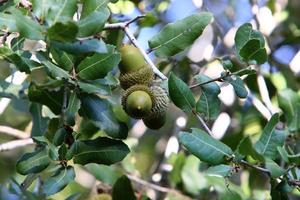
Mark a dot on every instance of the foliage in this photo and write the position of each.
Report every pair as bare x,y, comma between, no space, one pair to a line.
68,53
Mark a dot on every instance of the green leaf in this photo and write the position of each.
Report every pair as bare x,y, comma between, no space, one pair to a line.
61,11
27,27
98,65
180,94
59,180
229,195
219,170
289,102
7,21
100,112
252,51
191,177
246,148
59,136
208,103
175,175
9,90
274,169
250,44
279,191
72,109
270,139
95,88
55,71
123,189
64,60
63,32
101,150
91,6
238,85
39,123
12,57
93,23
103,173
51,98
34,162
80,47
177,36
205,147
284,155
41,8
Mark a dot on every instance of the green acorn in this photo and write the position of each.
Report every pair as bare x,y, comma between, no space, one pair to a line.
138,101
134,70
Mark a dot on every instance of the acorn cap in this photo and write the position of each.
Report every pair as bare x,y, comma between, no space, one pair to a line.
143,76
131,59
137,101
155,122
161,102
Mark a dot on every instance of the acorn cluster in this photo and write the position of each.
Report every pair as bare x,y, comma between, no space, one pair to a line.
141,99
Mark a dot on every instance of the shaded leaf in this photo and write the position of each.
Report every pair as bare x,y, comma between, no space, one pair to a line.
270,139
180,94
39,123
122,189
177,36
99,111
51,98
59,180
14,58
60,11
103,173
33,162
101,150
72,109
63,32
205,147
9,90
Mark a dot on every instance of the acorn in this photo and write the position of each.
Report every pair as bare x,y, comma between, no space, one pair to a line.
134,70
138,101
131,59
155,122
157,117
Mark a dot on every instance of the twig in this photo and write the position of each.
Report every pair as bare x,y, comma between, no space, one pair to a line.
202,122
15,144
149,185
13,132
255,167
124,26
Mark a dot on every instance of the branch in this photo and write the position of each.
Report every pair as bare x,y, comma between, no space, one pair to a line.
245,163
15,144
156,187
13,132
